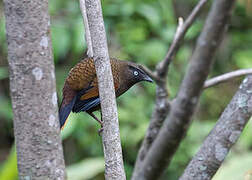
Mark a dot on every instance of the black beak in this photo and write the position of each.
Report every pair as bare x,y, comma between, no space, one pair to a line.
148,79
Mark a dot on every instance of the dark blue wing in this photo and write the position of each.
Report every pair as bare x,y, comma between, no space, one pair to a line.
85,105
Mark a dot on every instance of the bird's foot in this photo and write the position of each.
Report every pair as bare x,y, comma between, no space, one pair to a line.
99,121
101,129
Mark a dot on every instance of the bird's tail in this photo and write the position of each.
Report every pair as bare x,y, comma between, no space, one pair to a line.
69,98
64,111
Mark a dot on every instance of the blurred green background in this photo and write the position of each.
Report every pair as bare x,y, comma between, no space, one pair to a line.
139,31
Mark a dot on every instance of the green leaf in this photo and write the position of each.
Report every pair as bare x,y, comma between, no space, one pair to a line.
154,50
3,44
167,33
9,170
235,168
69,126
246,136
79,43
60,41
151,13
194,30
3,72
5,108
87,169
243,58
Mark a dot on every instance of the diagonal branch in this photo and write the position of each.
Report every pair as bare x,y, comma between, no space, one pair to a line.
162,105
225,77
225,133
178,121
110,136
162,67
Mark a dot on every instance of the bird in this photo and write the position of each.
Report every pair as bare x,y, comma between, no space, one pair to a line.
80,91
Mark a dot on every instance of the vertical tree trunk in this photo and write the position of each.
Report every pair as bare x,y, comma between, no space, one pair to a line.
33,92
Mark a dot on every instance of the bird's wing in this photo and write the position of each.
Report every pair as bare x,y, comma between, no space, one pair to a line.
85,105
91,92
89,98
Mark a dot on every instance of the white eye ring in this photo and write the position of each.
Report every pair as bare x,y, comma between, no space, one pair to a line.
135,73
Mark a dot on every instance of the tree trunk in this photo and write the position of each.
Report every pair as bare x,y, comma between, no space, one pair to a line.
33,92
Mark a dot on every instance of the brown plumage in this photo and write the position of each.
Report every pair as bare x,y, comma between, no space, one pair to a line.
80,92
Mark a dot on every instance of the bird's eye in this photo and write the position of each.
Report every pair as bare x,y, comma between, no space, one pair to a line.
135,73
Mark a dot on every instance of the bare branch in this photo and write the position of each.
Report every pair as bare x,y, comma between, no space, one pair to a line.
179,28
33,90
162,105
87,31
225,77
225,133
162,67
178,121
110,136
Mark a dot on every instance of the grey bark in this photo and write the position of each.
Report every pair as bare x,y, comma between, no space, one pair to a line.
225,133
33,92
87,31
179,118
114,168
162,105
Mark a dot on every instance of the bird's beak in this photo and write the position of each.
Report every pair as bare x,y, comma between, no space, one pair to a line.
148,79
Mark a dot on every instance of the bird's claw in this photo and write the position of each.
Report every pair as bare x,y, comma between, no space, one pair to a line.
100,131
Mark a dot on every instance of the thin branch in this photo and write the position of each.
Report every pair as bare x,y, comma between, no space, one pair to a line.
162,67
178,121
223,136
110,136
162,105
225,77
87,31
179,28
156,77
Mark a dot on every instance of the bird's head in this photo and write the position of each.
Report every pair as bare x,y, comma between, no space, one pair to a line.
129,73
138,74
134,73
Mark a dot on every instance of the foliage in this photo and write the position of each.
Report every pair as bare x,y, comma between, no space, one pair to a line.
87,169
9,167
140,31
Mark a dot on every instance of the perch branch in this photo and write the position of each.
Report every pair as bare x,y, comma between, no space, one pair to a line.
225,133
110,136
179,118
225,77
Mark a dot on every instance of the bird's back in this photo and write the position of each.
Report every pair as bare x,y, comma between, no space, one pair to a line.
83,74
